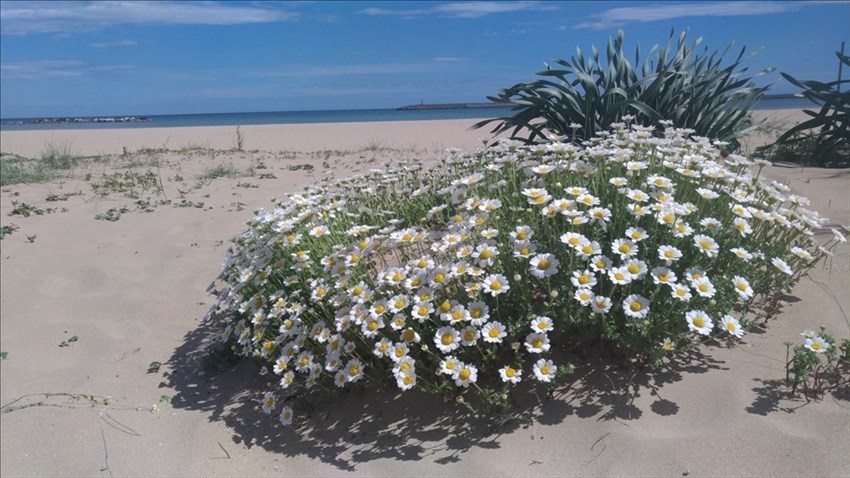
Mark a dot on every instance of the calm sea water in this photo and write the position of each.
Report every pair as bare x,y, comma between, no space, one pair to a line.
327,116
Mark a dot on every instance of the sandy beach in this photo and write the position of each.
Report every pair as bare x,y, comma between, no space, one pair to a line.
132,292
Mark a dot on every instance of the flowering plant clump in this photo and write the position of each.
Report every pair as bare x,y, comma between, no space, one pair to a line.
819,365
465,278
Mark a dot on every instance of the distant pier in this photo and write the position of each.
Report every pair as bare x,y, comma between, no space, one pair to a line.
453,106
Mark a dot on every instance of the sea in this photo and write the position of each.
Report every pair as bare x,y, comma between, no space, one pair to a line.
318,116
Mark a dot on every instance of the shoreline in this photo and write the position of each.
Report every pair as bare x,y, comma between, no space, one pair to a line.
414,134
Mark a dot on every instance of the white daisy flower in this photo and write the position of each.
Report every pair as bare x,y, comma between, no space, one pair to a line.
406,380
663,275
742,287
268,402
422,310
583,296
469,335
636,306
600,304
699,322
543,265
624,248
510,374
620,275
447,339
495,284
478,313
536,342
637,234
600,263
731,325
742,253
669,254
742,226
681,292
493,332
542,324
544,370
465,374
286,416
703,287
816,344
782,265
583,279
706,245
449,365
354,369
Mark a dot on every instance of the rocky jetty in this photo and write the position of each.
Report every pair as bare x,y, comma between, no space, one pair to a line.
107,119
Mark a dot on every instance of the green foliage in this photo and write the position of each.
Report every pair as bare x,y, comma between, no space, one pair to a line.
220,171
823,140
7,230
18,170
112,214
691,89
27,210
130,183
499,260
58,156
819,366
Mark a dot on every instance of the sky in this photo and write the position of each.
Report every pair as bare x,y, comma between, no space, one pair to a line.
79,58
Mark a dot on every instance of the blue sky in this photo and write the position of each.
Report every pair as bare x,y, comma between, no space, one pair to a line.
126,58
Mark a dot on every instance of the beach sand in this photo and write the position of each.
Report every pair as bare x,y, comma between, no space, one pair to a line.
133,292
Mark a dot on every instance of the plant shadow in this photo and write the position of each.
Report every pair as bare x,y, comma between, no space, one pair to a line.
362,426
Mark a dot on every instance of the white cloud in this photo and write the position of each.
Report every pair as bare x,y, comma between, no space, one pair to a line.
462,9
20,18
112,44
53,69
655,12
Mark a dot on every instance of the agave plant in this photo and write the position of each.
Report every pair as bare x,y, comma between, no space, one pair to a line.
830,144
694,90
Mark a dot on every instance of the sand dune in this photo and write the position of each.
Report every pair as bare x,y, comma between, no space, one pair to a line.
133,292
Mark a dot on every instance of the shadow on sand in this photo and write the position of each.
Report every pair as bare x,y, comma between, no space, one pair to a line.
360,426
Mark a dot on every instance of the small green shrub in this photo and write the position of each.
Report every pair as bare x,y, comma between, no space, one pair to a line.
130,183
58,156
469,277
220,171
7,230
692,89
819,365
27,210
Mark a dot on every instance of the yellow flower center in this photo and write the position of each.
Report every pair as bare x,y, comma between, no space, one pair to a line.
524,251
450,365
304,361
485,254
625,248
634,268
423,311
815,346
457,315
509,372
373,325
353,370
537,343
742,287
583,279
469,336
730,326
699,322
399,352
703,287
493,333
635,306
544,370
464,374
439,278
476,313
573,241
619,275
705,244
663,277
446,306
520,236
447,339
379,309
495,285
669,254
408,379
399,304
543,264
